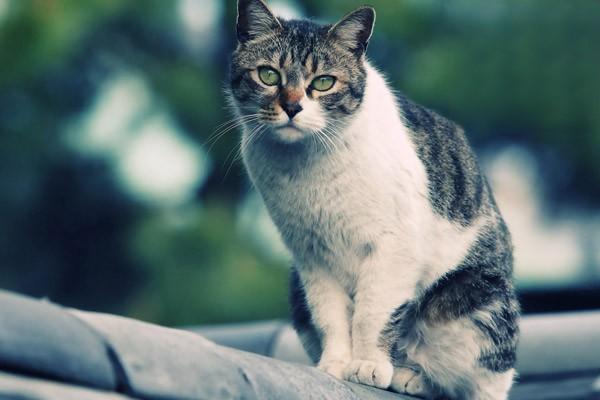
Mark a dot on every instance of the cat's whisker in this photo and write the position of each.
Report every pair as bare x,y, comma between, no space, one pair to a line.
228,127
327,134
233,121
328,144
224,130
237,149
238,155
235,118
326,139
254,134
247,139
317,137
335,134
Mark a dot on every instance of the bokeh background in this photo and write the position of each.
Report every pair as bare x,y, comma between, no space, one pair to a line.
114,198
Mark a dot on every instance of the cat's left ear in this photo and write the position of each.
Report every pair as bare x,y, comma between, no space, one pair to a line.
255,20
355,29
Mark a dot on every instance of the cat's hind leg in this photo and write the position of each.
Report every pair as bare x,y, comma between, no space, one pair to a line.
462,339
449,355
411,381
489,385
469,357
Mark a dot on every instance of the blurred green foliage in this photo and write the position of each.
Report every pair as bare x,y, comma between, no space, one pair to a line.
522,71
201,270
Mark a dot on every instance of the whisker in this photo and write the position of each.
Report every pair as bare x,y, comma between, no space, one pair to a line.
227,127
254,134
325,144
239,143
234,120
325,132
335,134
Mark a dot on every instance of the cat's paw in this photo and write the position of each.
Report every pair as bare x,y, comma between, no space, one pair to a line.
372,373
334,368
409,381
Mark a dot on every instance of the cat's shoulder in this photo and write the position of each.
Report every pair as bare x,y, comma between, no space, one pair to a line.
427,124
457,188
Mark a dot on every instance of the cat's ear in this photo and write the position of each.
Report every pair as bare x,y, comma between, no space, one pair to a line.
355,29
255,20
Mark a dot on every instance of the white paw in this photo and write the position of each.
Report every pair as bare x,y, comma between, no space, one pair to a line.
409,381
334,368
372,373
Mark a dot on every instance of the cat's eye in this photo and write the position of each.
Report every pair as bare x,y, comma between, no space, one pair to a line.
268,76
323,83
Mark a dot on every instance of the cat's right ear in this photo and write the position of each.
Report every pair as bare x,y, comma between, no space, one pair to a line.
255,20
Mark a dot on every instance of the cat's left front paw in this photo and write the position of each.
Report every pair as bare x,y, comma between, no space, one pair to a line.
368,372
333,367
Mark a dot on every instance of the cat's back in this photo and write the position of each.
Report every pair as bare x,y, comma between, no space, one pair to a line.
457,189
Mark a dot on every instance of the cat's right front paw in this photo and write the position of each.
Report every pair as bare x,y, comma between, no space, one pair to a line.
334,368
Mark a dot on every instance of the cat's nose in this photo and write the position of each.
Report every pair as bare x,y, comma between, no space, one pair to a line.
291,108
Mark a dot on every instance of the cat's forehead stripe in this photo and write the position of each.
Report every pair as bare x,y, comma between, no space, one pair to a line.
282,59
308,61
293,77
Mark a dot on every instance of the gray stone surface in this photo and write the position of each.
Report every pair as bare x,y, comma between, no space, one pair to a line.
551,344
558,355
566,343
19,387
559,358
161,362
257,338
40,338
566,388
287,347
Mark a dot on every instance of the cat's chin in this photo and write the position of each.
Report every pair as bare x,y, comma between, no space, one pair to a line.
289,133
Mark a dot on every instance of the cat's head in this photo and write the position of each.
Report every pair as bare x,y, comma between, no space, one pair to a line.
298,78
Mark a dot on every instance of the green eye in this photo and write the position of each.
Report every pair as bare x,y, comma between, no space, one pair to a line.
323,83
268,76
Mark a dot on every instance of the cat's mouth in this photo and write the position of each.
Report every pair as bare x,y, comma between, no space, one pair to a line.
289,132
291,125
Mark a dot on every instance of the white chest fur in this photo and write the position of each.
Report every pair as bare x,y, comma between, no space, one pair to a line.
371,192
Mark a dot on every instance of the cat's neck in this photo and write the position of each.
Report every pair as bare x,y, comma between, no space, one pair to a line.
379,113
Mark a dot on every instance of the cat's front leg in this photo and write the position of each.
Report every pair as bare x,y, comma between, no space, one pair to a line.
386,281
330,308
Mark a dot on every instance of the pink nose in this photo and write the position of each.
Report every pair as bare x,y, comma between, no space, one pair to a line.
290,101
291,109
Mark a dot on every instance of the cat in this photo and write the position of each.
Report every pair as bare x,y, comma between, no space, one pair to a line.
402,273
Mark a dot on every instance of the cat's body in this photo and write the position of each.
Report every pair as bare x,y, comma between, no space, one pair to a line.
403,264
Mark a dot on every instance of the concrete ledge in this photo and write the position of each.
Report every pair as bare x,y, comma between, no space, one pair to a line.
20,387
49,352
42,339
162,363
